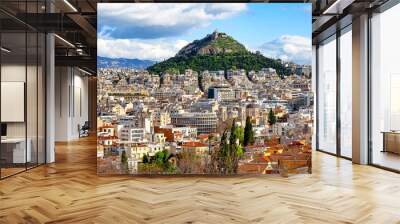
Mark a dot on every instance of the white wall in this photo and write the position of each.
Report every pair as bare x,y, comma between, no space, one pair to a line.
33,126
12,73
71,102
61,103
80,110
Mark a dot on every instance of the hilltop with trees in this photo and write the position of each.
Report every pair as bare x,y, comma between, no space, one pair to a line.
217,51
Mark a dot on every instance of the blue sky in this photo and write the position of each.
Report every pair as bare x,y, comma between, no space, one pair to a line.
157,31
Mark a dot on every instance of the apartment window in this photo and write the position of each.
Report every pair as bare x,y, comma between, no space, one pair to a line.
345,60
385,89
327,95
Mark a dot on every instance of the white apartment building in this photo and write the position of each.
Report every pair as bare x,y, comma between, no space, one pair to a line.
204,122
221,93
135,135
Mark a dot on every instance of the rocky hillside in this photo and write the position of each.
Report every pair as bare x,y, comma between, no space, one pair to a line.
212,44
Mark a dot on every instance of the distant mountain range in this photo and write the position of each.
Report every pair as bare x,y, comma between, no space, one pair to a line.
217,51
104,62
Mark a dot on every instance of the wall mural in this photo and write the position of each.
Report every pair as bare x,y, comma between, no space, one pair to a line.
204,88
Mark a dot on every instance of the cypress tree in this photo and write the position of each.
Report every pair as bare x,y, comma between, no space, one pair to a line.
145,158
271,117
124,158
248,133
124,161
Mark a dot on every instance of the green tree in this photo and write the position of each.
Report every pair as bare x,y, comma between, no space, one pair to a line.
159,163
145,158
248,133
234,136
241,60
124,160
124,157
172,71
161,158
271,118
224,146
210,139
234,149
225,159
238,133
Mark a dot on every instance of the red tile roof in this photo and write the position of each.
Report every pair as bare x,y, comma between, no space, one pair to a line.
106,137
255,146
139,145
194,144
260,159
202,136
296,143
252,168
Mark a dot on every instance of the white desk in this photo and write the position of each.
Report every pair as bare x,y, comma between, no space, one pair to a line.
17,146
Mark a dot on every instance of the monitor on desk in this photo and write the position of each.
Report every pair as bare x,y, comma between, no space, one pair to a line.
3,130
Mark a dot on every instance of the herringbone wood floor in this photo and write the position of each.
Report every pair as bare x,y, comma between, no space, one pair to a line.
69,191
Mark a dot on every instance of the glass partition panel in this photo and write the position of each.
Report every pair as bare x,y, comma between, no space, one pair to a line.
346,93
13,92
385,89
23,88
327,95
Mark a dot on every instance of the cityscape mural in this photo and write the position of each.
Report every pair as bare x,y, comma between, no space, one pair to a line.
200,88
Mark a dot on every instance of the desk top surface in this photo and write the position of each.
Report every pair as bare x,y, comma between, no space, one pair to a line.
391,132
13,140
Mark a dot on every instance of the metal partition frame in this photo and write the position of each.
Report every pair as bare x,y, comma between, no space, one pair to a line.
322,37
28,29
387,5
340,28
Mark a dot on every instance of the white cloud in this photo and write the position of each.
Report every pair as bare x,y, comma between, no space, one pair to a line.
157,50
154,20
289,48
